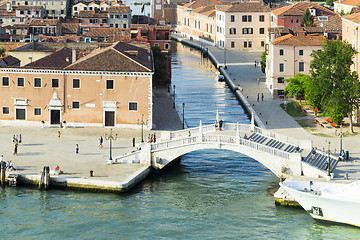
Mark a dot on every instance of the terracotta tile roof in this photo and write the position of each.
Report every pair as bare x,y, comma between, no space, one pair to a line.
349,2
300,40
121,57
6,13
43,22
57,60
355,10
119,9
112,34
299,9
70,28
92,14
162,27
245,7
142,26
332,24
202,3
353,17
10,60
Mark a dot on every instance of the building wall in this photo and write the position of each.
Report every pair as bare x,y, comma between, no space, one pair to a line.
27,57
242,40
53,7
339,6
206,31
92,94
293,21
290,61
350,33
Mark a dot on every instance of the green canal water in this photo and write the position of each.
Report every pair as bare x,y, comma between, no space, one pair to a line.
210,194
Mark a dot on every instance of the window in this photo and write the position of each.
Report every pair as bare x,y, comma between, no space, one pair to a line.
156,44
124,25
281,67
109,84
250,44
104,20
75,8
111,25
133,106
37,82
76,83
232,18
5,81
37,111
292,21
54,83
247,31
232,30
301,52
166,46
125,16
301,66
5,110
281,93
261,18
297,20
249,18
75,104
281,52
281,80
244,18
262,30
22,12
245,44
20,82
262,43
232,44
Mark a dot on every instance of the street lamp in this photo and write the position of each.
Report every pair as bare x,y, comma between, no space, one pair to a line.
183,116
328,166
142,122
225,67
341,140
174,97
110,137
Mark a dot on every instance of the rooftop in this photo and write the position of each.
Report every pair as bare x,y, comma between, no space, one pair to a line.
245,7
300,39
349,2
298,9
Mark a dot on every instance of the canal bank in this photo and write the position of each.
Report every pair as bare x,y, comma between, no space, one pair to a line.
236,89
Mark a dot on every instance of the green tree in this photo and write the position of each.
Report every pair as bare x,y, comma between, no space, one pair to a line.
296,86
307,20
263,62
333,86
329,2
159,65
2,52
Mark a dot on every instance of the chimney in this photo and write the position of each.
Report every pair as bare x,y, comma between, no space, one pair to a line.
272,37
73,56
8,7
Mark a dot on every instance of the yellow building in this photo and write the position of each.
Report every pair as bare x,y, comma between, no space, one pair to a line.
109,87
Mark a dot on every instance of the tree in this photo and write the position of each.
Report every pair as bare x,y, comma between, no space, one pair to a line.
307,20
2,52
263,62
329,2
159,65
333,86
296,85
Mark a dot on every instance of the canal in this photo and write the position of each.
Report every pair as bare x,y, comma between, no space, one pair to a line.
212,194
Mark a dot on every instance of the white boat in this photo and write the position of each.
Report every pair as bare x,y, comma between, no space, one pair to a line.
327,201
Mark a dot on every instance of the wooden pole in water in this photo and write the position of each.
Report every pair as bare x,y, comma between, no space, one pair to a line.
47,177
3,169
41,182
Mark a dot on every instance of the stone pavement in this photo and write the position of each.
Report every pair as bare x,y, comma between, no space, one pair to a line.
242,70
41,147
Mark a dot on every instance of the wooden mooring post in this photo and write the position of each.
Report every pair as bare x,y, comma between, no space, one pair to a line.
3,169
45,178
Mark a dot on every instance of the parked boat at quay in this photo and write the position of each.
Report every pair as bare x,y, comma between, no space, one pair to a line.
327,201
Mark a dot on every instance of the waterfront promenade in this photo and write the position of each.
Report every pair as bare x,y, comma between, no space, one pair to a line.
242,71
41,147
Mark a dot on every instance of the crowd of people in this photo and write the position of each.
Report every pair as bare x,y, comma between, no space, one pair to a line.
151,138
9,164
16,139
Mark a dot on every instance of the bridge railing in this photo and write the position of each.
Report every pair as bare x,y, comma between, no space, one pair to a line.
192,131
174,143
290,140
242,127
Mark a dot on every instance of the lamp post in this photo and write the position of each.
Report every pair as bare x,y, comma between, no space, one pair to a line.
328,167
341,136
174,97
142,122
110,137
225,67
183,123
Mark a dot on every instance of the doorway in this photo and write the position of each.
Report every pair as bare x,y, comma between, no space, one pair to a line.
109,118
54,116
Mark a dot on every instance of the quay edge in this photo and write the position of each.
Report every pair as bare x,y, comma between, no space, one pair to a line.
235,89
85,184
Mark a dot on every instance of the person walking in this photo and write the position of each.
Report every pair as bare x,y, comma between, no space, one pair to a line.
101,141
77,149
16,148
20,140
258,96
59,135
262,96
258,81
154,138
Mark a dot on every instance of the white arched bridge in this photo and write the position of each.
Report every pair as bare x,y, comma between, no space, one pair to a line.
277,152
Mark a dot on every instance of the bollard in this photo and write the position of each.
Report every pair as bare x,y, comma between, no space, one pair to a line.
3,169
46,177
91,173
346,176
133,142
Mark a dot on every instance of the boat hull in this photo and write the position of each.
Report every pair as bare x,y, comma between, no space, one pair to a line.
327,207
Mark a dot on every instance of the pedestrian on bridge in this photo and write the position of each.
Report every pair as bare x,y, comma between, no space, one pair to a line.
262,96
258,96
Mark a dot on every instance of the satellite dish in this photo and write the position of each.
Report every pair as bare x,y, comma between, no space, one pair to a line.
321,24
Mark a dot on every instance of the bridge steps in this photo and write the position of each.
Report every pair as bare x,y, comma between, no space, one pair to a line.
320,161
